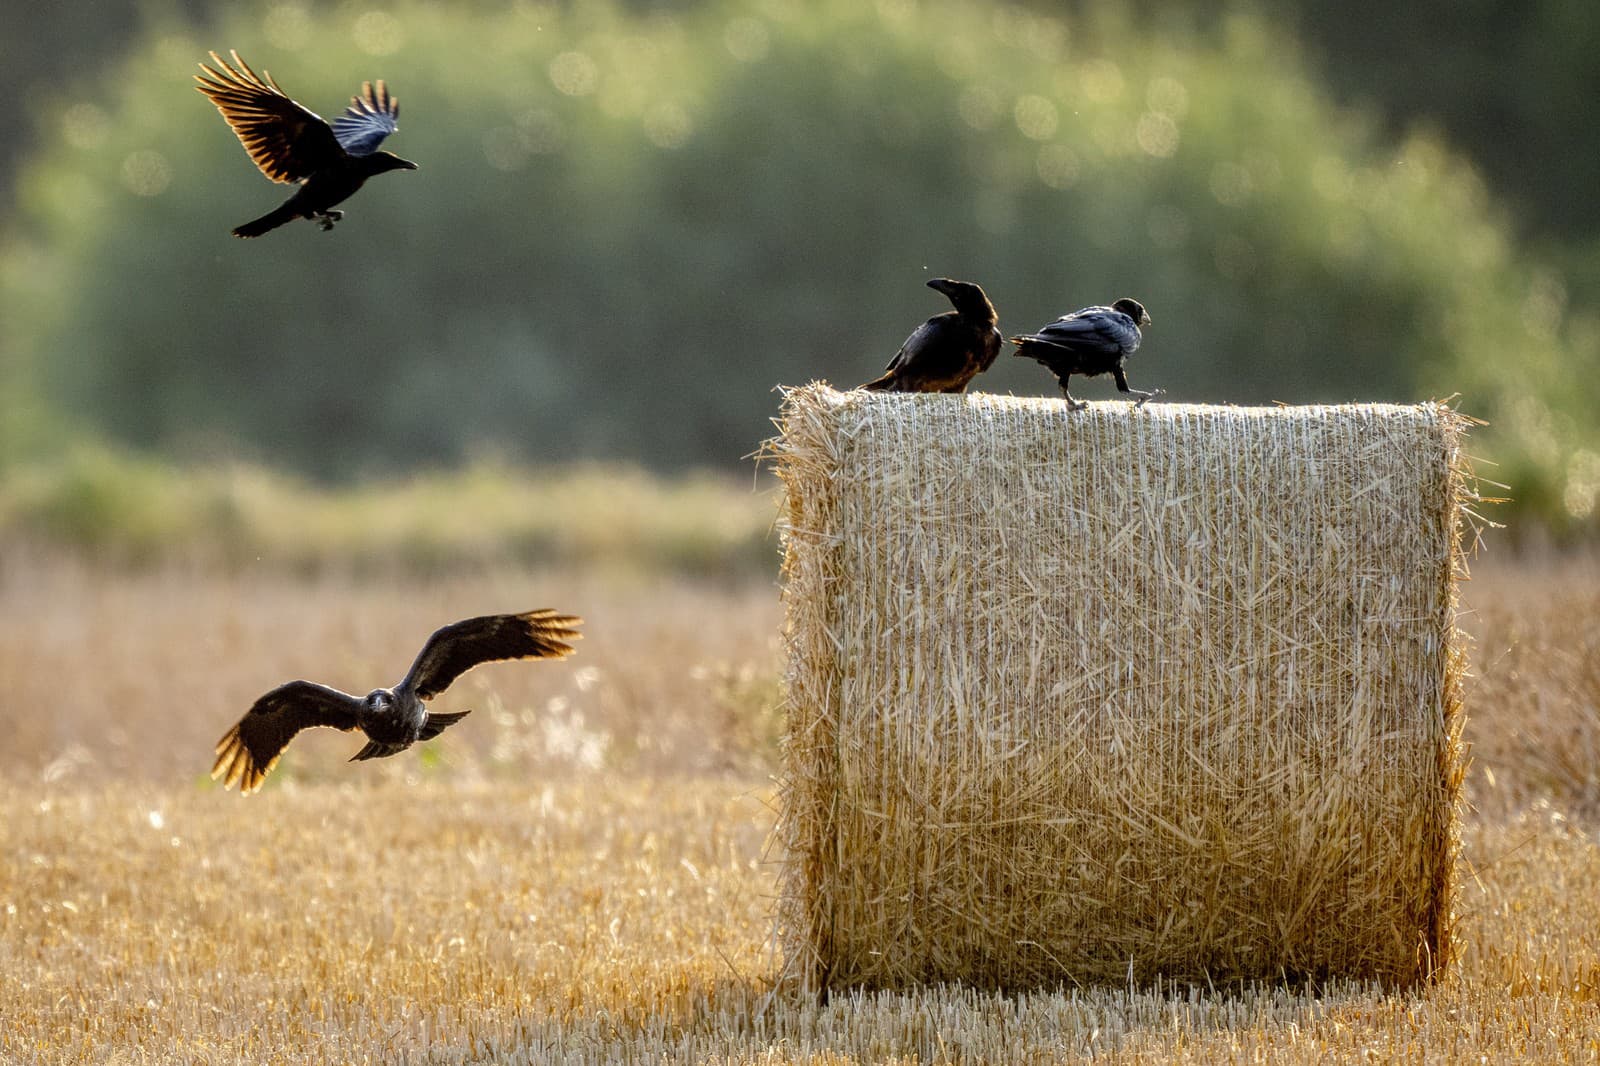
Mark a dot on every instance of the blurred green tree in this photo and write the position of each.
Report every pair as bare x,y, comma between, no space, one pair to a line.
628,226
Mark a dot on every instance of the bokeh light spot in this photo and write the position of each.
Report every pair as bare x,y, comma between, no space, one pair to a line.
747,39
979,107
1058,166
84,125
667,125
1101,80
1168,226
1157,135
1535,425
1231,184
574,74
1167,96
1265,170
287,26
1544,306
1036,117
379,33
505,148
542,132
1583,483
1235,258
146,173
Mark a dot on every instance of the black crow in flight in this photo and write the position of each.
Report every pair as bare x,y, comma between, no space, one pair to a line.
1095,340
393,719
293,145
948,350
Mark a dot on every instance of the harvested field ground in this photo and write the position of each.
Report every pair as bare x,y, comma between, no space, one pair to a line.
576,872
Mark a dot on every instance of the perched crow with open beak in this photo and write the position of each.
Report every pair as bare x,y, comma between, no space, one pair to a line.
293,145
1095,340
393,719
948,350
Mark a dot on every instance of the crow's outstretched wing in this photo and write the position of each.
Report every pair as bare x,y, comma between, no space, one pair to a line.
370,118
457,648
249,750
288,142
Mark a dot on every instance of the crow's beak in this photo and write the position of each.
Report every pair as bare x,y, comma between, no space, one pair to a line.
940,284
1144,319
409,164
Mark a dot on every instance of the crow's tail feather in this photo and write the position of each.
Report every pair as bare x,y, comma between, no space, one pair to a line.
267,222
1032,347
375,750
438,723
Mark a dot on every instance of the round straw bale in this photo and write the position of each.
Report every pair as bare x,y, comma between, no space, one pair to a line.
1118,693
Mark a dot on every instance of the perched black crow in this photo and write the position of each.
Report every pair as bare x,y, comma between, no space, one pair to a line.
1095,340
393,719
292,145
948,350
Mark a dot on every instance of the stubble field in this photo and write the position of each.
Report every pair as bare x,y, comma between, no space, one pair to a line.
576,872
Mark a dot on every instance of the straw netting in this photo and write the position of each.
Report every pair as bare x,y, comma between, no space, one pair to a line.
1117,694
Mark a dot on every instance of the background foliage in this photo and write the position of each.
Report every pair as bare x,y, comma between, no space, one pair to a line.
632,221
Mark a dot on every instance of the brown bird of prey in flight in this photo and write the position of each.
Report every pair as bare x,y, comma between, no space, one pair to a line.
1095,340
948,350
393,719
293,145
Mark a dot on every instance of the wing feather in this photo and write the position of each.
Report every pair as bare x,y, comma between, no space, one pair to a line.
1099,327
920,338
249,751
457,648
287,141
370,118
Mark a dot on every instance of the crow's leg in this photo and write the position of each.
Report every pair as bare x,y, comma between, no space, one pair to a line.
1123,386
1072,405
326,219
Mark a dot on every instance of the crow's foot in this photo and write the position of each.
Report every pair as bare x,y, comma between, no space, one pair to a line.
1146,397
326,219
1076,405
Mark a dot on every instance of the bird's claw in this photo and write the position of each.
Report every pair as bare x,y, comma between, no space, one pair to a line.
1145,398
327,218
1076,405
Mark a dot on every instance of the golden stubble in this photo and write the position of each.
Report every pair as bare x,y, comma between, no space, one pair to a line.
453,906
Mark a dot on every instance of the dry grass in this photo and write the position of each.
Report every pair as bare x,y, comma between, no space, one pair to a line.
1537,656
139,676
529,907
1154,691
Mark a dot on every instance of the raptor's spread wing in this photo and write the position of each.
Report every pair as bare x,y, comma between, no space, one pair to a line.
370,118
288,142
250,749
457,648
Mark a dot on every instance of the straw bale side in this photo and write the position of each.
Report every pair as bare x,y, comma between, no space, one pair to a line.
1117,693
